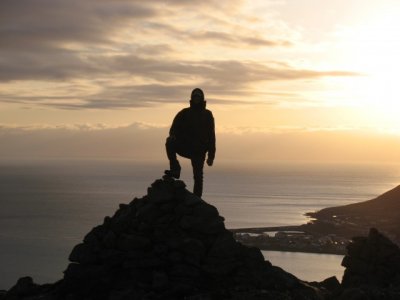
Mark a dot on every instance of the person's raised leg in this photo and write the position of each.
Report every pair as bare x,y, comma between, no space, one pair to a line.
174,166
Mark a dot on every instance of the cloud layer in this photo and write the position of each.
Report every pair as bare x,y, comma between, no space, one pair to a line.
137,53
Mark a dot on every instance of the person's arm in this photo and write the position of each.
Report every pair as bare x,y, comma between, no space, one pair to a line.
176,126
212,142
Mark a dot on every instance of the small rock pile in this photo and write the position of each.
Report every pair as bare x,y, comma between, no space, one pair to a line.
372,268
169,244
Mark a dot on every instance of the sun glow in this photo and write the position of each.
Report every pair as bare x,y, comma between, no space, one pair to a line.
373,51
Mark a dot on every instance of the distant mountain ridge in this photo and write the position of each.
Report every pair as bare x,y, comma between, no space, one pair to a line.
386,204
381,212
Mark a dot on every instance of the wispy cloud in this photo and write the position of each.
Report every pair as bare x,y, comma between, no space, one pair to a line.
51,22
135,53
226,81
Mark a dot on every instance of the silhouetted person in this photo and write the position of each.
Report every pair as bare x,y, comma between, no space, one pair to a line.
192,135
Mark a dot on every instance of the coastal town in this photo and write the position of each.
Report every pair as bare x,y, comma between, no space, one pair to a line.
349,225
292,240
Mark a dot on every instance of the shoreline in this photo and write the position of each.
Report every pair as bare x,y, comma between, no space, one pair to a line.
291,239
267,229
305,251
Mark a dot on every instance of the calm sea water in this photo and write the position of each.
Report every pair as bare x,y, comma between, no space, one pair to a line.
48,206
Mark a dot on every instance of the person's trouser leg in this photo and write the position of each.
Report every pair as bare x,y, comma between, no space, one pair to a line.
171,149
198,165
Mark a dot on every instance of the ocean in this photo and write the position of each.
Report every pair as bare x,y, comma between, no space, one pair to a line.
48,206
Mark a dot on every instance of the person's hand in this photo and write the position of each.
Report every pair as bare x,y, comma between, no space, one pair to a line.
210,161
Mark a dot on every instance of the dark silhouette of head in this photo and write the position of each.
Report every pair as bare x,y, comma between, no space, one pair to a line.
197,99
197,95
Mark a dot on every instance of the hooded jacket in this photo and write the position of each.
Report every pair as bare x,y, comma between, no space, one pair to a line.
194,127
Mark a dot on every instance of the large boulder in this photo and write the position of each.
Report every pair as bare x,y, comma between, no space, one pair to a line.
372,268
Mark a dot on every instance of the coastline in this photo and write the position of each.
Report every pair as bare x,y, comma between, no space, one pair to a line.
291,239
330,229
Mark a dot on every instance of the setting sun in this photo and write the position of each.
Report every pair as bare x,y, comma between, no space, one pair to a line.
371,49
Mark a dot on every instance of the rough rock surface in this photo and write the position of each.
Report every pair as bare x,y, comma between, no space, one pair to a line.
372,268
169,244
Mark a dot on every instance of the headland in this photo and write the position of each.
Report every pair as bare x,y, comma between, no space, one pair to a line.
330,229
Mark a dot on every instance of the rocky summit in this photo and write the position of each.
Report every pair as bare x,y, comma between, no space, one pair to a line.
169,244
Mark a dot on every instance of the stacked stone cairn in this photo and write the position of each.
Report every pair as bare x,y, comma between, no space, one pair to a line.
169,244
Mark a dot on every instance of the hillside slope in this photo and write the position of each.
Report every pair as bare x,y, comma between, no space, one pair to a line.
381,212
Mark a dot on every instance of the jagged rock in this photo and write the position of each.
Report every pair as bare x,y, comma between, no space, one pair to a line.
24,288
170,244
329,288
372,260
372,268
331,284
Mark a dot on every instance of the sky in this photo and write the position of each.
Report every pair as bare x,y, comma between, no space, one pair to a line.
286,80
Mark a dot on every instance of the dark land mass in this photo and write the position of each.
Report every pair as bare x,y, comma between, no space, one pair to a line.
381,212
330,229
171,244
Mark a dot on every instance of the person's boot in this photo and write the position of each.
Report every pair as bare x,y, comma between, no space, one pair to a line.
198,187
174,170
